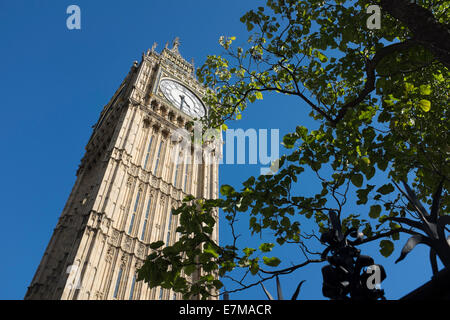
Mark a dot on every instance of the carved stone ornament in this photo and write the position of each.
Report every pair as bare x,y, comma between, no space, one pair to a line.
164,187
143,175
99,295
109,254
132,170
115,237
141,250
119,154
124,259
127,243
105,222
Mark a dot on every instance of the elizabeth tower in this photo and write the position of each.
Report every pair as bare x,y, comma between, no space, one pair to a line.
127,185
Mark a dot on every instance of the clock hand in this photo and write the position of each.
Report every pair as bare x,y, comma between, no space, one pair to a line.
182,102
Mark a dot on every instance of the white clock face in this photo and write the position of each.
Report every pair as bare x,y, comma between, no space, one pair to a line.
182,98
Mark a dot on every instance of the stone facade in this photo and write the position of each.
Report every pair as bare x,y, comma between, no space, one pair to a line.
125,190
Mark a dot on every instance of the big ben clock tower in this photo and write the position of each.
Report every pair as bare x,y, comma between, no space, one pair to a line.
127,186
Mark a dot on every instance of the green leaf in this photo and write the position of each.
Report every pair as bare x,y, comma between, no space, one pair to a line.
266,247
425,90
362,196
258,95
248,251
189,269
375,211
156,245
386,248
382,164
370,172
386,189
301,131
152,256
271,262
425,105
209,248
226,189
357,180
254,266
289,141
409,87
285,222
218,284
321,56
366,160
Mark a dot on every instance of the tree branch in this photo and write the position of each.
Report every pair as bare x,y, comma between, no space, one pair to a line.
426,30
385,235
370,72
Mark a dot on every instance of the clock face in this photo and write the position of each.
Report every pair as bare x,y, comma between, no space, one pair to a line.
182,98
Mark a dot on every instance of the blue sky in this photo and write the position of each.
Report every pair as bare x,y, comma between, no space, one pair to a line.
54,84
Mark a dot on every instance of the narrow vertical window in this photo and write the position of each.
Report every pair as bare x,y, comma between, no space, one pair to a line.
186,171
146,218
132,287
177,169
119,276
147,155
176,175
137,201
134,211
168,228
158,157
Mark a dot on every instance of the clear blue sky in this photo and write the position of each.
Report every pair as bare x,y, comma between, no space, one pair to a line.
54,83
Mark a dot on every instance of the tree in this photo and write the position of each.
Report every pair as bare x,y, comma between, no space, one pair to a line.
380,101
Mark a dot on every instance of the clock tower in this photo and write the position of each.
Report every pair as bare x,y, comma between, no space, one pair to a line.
135,171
